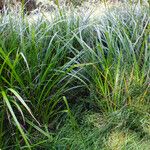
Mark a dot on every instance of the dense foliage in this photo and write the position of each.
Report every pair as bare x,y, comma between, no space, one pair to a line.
95,71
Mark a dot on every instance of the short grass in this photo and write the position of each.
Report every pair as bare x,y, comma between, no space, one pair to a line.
76,83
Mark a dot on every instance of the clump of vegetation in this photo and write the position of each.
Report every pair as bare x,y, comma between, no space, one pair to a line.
75,83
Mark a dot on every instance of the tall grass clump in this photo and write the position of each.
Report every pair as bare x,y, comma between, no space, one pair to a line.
119,55
99,65
115,66
35,71
117,69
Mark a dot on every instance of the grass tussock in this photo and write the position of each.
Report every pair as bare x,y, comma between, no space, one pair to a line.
73,82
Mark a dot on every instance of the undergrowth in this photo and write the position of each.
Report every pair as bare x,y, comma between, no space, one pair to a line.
73,83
